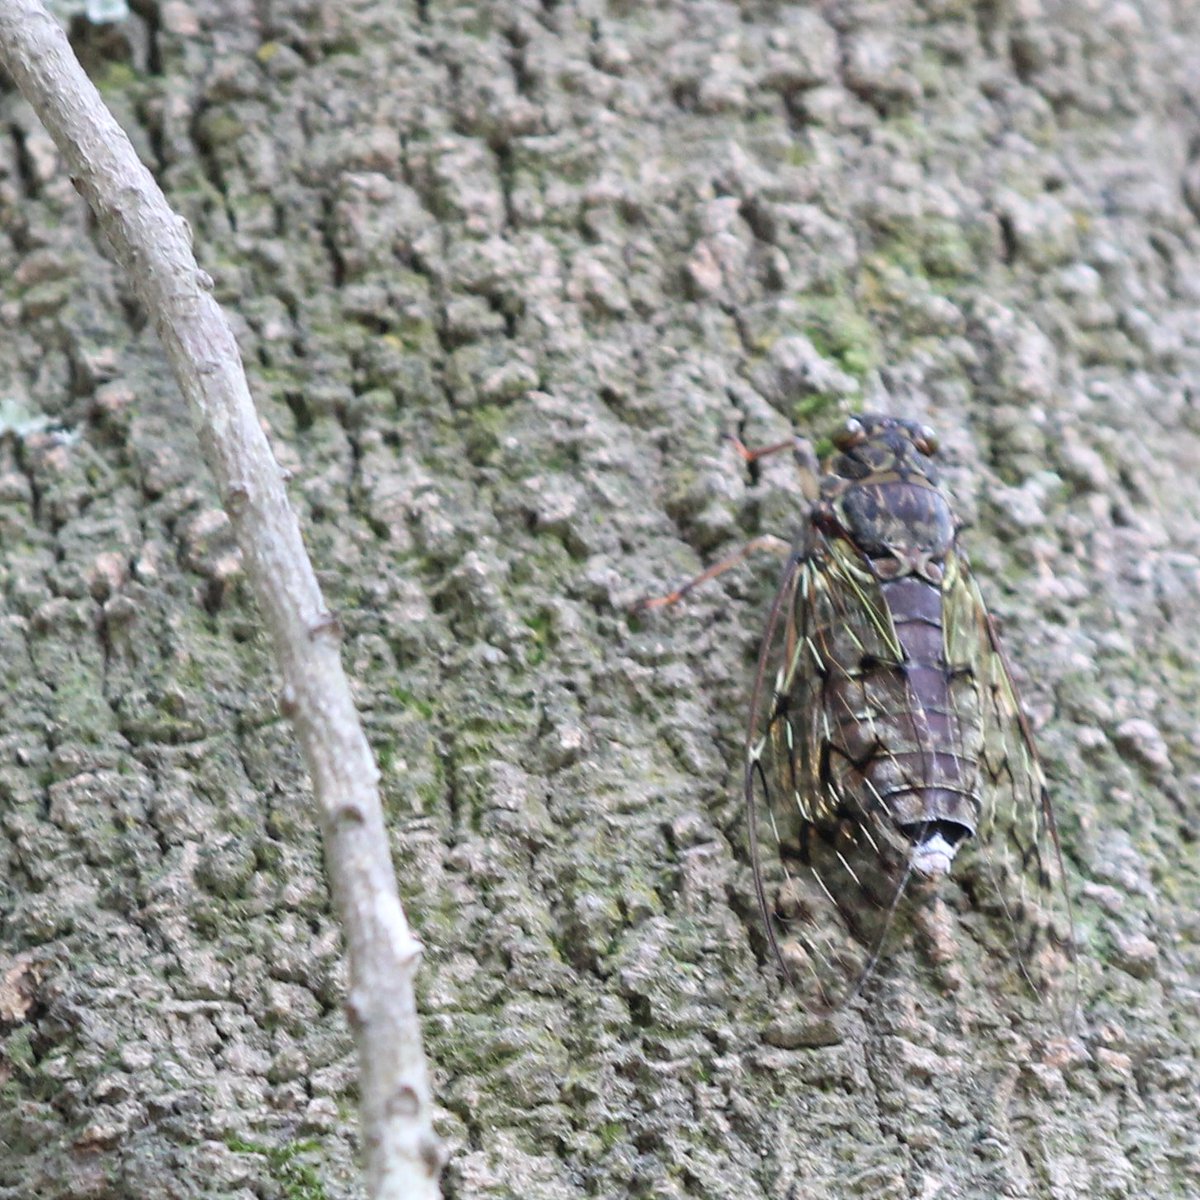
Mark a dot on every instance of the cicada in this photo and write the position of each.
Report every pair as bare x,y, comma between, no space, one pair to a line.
886,741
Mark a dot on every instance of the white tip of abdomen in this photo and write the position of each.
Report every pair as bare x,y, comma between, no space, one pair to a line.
933,856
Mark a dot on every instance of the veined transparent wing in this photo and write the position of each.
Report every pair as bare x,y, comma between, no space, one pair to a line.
842,730
1020,867
827,868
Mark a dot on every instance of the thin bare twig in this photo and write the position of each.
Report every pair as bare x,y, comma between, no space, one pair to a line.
154,247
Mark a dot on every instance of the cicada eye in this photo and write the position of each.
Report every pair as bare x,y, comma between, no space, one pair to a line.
850,435
926,440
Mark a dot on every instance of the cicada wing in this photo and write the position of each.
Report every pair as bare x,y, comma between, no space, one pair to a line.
1017,848
825,888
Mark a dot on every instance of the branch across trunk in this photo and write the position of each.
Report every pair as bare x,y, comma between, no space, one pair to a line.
153,245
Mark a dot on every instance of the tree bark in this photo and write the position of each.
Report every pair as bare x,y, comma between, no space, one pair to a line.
504,278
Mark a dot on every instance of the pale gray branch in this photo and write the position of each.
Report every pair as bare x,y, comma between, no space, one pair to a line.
153,245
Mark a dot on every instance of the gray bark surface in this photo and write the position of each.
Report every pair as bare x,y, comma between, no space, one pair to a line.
503,276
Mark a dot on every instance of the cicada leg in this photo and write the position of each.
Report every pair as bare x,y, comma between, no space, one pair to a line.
806,460
766,542
802,451
748,455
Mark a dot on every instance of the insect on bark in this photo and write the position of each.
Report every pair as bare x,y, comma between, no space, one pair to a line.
886,742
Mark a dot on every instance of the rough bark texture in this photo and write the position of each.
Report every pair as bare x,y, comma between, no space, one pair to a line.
505,275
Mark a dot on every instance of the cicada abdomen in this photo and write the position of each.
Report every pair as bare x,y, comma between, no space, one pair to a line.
886,735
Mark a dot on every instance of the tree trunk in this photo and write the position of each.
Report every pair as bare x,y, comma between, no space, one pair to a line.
503,276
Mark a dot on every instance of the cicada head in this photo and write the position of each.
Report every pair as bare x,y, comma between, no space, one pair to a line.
875,444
